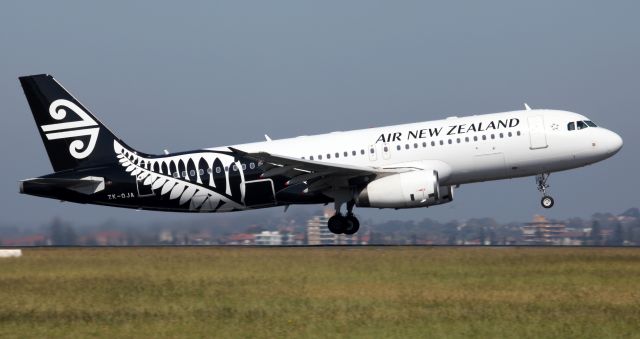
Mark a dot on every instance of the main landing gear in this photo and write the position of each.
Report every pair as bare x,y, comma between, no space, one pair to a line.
348,224
541,181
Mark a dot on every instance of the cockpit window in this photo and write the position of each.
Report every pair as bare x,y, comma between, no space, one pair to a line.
581,125
571,126
590,123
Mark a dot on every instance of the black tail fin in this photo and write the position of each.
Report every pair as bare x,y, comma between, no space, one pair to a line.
73,137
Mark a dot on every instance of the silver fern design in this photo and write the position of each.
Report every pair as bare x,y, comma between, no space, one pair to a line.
179,178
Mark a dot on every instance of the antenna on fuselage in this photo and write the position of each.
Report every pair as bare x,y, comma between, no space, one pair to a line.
267,137
527,107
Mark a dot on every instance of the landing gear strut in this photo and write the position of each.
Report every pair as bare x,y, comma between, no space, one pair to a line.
339,224
541,181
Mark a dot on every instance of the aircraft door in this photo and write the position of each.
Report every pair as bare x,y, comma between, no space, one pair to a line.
537,135
385,150
372,153
143,190
259,193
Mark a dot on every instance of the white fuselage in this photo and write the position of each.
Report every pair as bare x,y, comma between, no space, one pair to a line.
463,150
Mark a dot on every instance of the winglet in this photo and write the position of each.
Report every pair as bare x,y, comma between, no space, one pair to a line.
527,107
267,137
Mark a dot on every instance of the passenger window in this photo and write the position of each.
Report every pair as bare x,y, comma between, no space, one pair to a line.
466,139
493,136
415,145
328,156
346,153
192,173
484,137
244,167
501,135
184,174
362,151
319,157
449,141
234,167
252,165
398,147
581,125
518,133
510,134
433,143
218,170
353,153
311,157
475,138
441,142
424,144
201,172
590,123
209,170
337,155
458,140
386,149
175,175
406,146
372,150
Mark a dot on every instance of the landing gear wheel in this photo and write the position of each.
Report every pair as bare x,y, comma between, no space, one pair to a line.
547,201
353,225
337,224
541,182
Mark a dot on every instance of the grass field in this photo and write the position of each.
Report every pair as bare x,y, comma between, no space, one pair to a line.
322,292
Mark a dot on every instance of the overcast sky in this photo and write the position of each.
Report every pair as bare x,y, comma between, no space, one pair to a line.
183,76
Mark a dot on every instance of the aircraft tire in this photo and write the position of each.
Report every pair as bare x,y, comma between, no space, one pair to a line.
337,224
547,201
353,225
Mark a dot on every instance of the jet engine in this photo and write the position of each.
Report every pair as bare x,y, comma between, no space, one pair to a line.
405,190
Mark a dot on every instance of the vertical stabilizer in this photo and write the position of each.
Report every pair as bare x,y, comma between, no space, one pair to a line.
73,137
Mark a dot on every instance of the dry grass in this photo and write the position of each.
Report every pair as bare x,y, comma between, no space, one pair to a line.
321,292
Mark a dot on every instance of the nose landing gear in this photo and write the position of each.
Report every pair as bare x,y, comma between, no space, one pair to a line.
541,180
339,224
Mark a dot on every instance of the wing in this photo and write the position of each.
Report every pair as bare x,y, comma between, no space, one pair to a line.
319,176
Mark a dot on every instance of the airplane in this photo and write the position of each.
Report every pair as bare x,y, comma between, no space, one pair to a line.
403,166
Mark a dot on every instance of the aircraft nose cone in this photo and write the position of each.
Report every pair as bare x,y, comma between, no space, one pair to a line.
614,142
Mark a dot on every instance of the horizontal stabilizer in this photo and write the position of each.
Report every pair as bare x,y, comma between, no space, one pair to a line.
86,185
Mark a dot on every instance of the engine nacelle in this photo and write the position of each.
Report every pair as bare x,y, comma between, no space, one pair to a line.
405,190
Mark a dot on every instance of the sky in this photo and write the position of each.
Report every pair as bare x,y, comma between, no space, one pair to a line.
186,75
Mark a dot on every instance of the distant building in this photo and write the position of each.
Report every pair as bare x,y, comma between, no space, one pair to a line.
543,232
241,239
291,238
318,233
31,240
573,238
110,238
165,237
268,238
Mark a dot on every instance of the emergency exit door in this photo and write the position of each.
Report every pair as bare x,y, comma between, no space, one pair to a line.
537,135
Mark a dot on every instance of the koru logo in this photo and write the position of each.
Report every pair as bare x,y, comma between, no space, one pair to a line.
73,129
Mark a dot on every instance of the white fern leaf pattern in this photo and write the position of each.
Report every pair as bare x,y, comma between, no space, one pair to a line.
192,188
